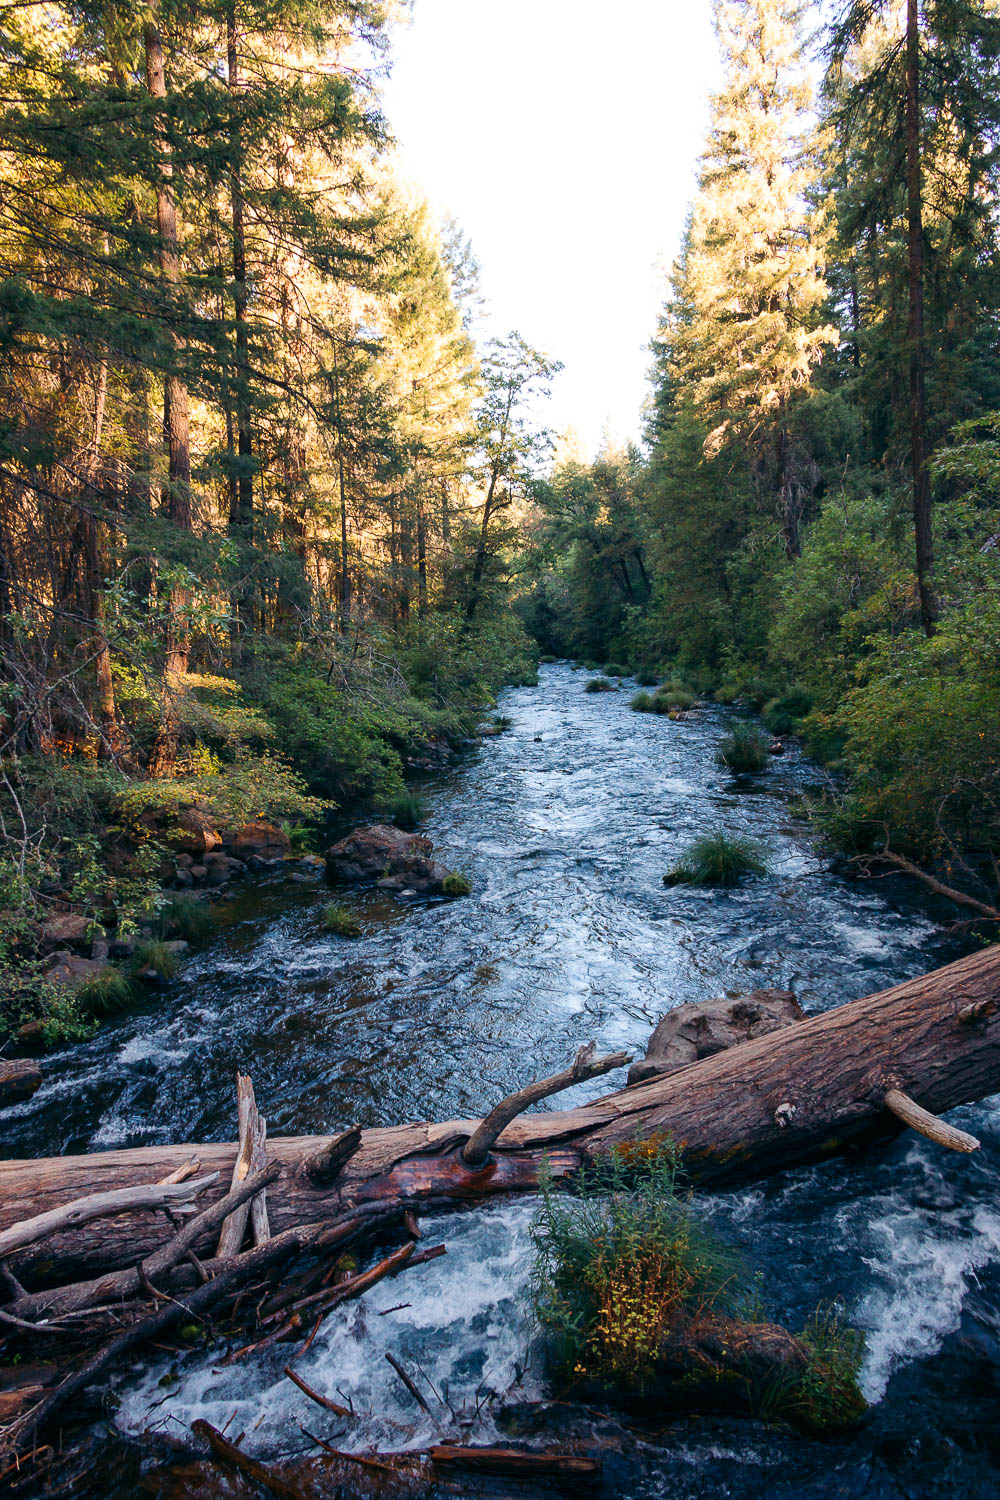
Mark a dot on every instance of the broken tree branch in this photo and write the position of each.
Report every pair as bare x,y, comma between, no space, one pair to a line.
585,1065
907,1110
250,1158
175,1196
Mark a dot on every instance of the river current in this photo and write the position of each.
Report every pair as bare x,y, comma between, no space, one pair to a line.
565,824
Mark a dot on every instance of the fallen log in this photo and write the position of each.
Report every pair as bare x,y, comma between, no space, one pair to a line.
802,1094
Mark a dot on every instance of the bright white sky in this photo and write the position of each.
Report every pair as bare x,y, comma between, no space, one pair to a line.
563,137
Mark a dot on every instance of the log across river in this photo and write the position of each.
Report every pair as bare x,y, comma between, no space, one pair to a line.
440,1010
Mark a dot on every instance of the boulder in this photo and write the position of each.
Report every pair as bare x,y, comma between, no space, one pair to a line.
18,1080
71,971
67,930
265,840
394,859
691,1032
197,831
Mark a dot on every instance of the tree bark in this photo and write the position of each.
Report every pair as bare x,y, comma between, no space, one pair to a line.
803,1094
929,608
176,421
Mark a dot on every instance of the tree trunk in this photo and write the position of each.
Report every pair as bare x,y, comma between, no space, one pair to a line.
929,608
176,422
240,523
803,1094
345,576
93,581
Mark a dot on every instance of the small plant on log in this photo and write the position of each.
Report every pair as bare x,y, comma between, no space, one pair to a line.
745,749
717,858
600,685
456,884
340,921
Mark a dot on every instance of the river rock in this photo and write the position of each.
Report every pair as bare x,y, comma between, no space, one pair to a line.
394,859
67,930
691,1032
197,832
264,840
71,971
18,1080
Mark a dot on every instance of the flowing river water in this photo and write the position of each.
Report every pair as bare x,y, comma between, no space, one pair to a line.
566,824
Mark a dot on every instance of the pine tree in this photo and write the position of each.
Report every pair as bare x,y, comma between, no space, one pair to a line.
745,329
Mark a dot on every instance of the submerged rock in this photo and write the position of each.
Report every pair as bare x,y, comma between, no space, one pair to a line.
18,1080
692,1032
393,859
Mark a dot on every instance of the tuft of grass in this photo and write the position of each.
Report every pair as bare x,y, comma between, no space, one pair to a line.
456,884
600,685
154,955
591,666
646,678
407,811
717,858
642,703
107,993
672,697
187,918
339,921
744,749
613,669
759,690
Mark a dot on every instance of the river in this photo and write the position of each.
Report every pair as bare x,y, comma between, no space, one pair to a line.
565,824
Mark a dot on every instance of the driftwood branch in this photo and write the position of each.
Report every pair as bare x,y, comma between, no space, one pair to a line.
959,897
228,1453
907,1110
251,1157
585,1065
323,1165
177,1197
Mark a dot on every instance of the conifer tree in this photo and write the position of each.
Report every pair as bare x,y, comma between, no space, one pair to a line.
745,328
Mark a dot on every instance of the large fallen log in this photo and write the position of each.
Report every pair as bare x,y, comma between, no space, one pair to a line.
798,1095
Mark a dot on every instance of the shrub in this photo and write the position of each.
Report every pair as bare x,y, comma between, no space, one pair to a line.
744,749
642,703
156,956
340,921
727,693
614,670
615,1265
673,698
547,661
646,678
407,811
456,884
717,858
600,685
759,691
107,993
591,666
185,917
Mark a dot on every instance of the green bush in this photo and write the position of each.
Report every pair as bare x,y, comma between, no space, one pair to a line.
107,993
340,921
185,917
456,884
156,956
591,666
646,678
547,661
614,670
407,811
673,698
783,715
717,858
600,685
642,703
744,749
759,691
727,693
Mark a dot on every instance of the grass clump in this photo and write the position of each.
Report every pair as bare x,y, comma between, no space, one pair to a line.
646,678
616,1265
341,922
107,993
591,666
187,918
727,692
613,669
154,956
407,811
600,685
744,749
642,703
673,699
456,884
758,691
717,858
